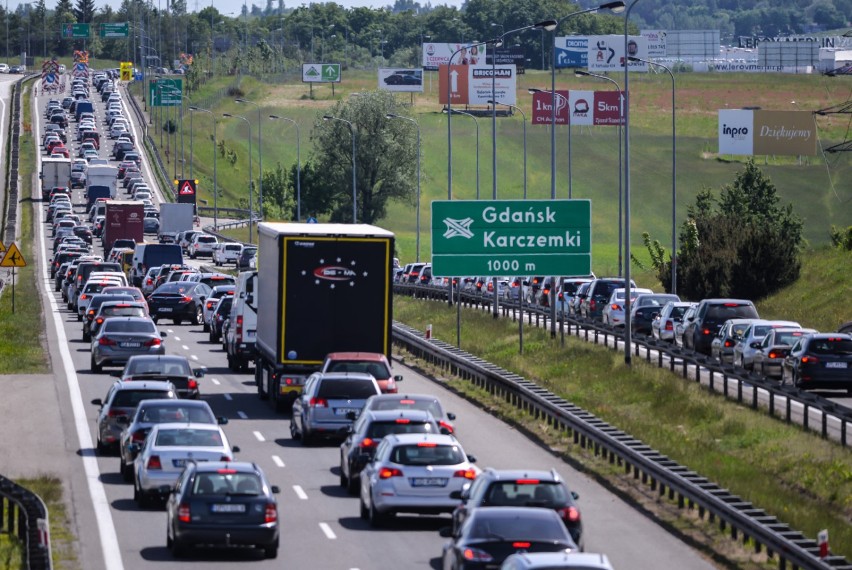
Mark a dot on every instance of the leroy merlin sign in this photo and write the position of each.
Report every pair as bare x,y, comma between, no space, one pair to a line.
544,237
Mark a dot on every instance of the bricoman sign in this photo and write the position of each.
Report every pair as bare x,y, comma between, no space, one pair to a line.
757,132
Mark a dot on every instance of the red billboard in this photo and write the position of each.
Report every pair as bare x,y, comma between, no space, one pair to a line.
600,108
542,110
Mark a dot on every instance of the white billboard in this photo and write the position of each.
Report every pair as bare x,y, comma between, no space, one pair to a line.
735,131
401,80
606,53
435,54
656,42
505,85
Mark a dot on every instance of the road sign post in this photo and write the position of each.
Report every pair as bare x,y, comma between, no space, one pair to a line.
12,258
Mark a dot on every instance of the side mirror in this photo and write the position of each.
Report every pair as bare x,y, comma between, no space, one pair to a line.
134,448
471,458
98,402
116,373
575,495
275,489
250,299
222,420
163,334
398,378
199,372
451,416
457,495
446,531
235,448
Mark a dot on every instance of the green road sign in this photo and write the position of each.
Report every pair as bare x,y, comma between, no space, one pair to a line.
165,92
75,31
321,72
119,30
511,237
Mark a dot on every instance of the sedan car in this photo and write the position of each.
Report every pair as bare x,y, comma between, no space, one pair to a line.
752,337
119,338
168,449
425,402
722,346
373,363
173,368
489,536
210,304
415,473
218,503
329,404
121,399
820,361
774,348
179,301
110,309
151,412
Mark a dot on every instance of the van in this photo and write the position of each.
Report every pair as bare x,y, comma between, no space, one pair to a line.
242,332
83,107
147,255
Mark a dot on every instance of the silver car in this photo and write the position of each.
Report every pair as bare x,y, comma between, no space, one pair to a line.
167,449
121,400
213,300
613,312
663,326
414,473
119,338
745,350
330,402
774,348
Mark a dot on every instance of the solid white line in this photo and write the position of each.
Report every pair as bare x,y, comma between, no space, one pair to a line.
217,383
259,436
277,461
329,534
100,503
300,492
242,415
228,396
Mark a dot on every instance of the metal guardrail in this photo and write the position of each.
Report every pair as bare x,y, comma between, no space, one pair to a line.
162,175
663,475
24,515
747,387
12,164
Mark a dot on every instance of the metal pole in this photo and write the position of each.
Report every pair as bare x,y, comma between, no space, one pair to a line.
259,152
215,150
417,126
627,332
298,166
524,123
354,187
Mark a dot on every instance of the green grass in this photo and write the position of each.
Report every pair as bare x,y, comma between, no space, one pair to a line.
796,476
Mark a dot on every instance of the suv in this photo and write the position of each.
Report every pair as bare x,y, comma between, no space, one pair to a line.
517,488
598,294
202,244
700,330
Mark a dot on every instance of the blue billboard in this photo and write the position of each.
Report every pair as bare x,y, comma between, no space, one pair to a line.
571,51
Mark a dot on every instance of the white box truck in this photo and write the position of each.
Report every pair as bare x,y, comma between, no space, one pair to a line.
175,218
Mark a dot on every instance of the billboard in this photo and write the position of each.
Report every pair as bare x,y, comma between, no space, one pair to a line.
606,53
438,54
571,51
401,80
587,108
755,132
472,85
513,55
656,42
320,73
542,110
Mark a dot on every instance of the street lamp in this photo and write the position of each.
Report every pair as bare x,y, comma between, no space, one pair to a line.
674,170
524,122
215,150
417,126
354,186
615,7
251,181
581,73
476,122
298,167
259,152
628,357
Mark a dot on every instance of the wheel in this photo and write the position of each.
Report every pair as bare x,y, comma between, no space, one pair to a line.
376,518
364,512
96,368
271,551
205,327
178,548
101,448
177,321
126,470
86,337
344,480
79,317
294,433
352,487
199,316
232,364
212,336
192,256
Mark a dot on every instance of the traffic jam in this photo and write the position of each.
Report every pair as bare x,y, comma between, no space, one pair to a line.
167,337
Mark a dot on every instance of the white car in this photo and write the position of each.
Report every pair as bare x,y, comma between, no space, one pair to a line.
613,312
414,473
202,244
4,68
663,327
745,350
227,253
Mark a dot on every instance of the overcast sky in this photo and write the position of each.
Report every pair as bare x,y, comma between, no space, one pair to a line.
226,6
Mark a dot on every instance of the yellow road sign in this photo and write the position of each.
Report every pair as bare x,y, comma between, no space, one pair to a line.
126,70
2,247
13,257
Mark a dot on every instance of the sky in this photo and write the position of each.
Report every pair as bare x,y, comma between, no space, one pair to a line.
226,6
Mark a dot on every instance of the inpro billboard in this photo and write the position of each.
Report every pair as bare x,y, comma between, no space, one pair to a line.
757,132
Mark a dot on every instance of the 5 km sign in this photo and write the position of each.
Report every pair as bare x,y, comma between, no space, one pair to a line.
511,237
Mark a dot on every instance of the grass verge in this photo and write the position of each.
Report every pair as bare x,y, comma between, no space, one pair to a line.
798,477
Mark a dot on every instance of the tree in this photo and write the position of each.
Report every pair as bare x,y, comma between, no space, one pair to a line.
84,10
62,14
385,156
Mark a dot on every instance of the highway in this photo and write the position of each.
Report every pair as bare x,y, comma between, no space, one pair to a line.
320,524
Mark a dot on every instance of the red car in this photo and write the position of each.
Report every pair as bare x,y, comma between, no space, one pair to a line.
368,362
55,144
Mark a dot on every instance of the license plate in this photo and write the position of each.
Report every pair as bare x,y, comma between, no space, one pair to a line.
228,508
165,309
835,365
131,344
345,411
428,482
179,462
250,335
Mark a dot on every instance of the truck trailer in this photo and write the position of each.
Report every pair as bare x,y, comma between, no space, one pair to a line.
323,288
55,172
175,218
101,182
123,220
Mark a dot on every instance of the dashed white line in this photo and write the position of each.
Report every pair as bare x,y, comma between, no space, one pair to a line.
192,356
259,436
329,534
242,415
177,338
185,347
300,492
216,382
277,461
227,396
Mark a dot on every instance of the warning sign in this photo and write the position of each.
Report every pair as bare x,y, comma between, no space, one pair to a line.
186,190
13,257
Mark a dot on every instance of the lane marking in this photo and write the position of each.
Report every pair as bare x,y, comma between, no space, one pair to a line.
259,436
329,534
217,383
277,461
177,338
184,347
228,396
300,492
192,356
242,415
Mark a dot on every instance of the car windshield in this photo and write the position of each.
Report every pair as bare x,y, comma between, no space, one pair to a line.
113,326
218,280
345,389
130,398
514,528
160,414
172,366
838,346
378,430
377,369
426,453
187,437
526,493
227,482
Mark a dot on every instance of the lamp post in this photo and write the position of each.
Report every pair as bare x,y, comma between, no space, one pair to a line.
476,122
251,181
581,73
674,171
417,126
354,186
628,357
614,7
182,151
259,153
215,188
298,166
524,123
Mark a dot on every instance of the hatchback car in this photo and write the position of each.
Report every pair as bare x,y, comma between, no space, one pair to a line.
210,304
820,361
94,306
174,368
218,317
329,404
119,338
663,325
179,301
753,336
709,317
425,402
246,260
415,473
373,363
120,401
722,346
220,503
598,296
774,348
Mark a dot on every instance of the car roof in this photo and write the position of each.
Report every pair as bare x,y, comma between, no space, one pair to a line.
515,474
354,376
415,438
158,358
185,425
365,356
511,512
181,402
213,466
152,385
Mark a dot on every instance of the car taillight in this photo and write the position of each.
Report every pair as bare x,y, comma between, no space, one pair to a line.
224,459
106,341
809,360
116,413
239,329
368,443
729,343
210,305
520,544
592,304
773,354
154,462
83,296
186,299
669,326
615,307
527,482
476,555
318,403
192,384
569,514
427,444
149,281
447,426
183,513
271,514
466,473
138,436
706,332
153,342
99,320
388,472
90,314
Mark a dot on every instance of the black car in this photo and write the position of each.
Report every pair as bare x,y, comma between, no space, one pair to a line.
820,361
245,259
121,148
489,536
222,503
95,305
710,315
175,369
220,315
405,77
179,301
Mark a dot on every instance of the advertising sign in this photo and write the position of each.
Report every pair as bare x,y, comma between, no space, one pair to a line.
607,109
507,237
75,31
606,53
587,108
320,73
513,55
438,54
472,85
401,80
542,110
656,42
755,132
571,51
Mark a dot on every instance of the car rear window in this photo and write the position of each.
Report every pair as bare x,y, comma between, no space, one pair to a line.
345,388
507,528
159,366
790,338
831,346
226,482
760,331
426,453
378,430
218,280
377,369
165,414
123,312
187,437
429,405
526,493
130,327
131,398
721,313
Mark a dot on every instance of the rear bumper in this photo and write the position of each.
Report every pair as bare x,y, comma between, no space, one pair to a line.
265,535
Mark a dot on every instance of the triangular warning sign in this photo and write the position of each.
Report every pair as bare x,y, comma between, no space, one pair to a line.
2,247
187,188
13,257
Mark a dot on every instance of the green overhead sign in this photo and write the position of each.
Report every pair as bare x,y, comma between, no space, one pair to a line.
76,31
119,30
165,92
511,237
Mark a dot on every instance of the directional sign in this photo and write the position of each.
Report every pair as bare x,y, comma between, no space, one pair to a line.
507,237
13,257
119,30
75,31
49,78
166,92
321,73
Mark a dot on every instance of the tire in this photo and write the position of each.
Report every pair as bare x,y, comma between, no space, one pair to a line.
352,487
344,480
365,514
377,519
126,471
177,321
293,431
79,317
232,364
271,551
96,368
179,548
205,327
211,337
199,316
87,337
101,448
